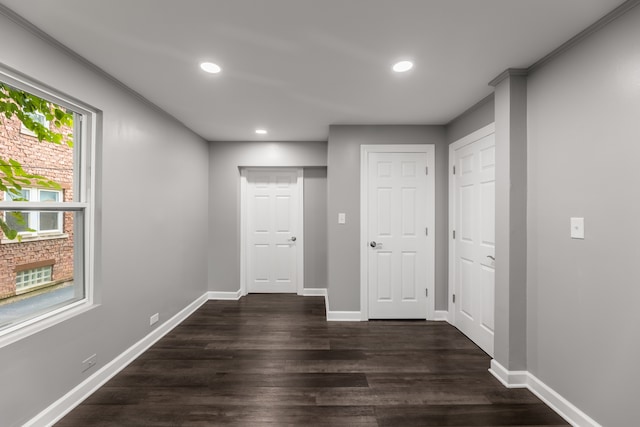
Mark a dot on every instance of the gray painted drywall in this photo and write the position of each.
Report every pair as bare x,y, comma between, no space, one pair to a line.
225,159
511,223
583,316
315,228
476,117
343,189
153,232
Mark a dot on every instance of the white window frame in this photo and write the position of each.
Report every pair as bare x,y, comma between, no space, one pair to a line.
86,133
37,117
34,217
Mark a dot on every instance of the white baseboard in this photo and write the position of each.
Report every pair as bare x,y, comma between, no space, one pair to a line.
510,379
314,292
61,407
340,316
344,316
441,315
235,295
524,379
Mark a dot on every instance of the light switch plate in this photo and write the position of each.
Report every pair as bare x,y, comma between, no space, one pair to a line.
577,228
342,218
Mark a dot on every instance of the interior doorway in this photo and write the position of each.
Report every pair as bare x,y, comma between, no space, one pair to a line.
272,230
397,231
472,226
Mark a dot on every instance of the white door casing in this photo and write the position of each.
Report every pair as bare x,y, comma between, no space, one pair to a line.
472,250
397,231
272,225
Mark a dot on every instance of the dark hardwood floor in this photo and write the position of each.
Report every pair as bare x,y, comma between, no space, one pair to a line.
273,360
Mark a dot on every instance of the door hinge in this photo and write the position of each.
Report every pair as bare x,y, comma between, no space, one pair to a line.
454,234
454,298
426,293
426,170
454,170
426,231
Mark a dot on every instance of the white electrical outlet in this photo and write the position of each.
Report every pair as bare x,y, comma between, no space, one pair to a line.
342,218
154,319
89,362
577,228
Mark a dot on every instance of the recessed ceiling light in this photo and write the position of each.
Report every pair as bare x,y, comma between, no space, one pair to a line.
261,131
210,67
402,66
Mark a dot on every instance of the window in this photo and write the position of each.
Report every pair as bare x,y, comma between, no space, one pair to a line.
33,277
36,117
35,223
46,210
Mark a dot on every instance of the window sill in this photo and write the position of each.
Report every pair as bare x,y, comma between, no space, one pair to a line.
38,238
32,326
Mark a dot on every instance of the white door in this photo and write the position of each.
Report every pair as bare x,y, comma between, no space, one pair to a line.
274,225
474,241
400,263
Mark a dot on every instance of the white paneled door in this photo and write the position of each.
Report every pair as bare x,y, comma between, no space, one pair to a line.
474,241
273,230
400,255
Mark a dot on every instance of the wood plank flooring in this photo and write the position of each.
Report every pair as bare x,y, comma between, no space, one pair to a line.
273,360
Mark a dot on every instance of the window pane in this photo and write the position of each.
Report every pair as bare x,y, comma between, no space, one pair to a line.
49,196
39,275
18,221
24,195
49,221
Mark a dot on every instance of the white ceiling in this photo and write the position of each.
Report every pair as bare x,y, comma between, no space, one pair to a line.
297,66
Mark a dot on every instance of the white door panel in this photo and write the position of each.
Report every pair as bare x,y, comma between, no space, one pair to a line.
398,259
273,222
474,244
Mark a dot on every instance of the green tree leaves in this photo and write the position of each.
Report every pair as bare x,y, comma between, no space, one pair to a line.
13,177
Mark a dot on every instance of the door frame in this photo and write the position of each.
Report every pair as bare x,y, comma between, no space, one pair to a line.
244,236
462,142
429,151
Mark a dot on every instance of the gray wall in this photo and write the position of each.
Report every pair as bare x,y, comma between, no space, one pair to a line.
343,188
583,316
476,117
150,263
315,228
225,158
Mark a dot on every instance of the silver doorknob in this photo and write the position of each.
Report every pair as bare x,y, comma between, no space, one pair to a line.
293,239
373,244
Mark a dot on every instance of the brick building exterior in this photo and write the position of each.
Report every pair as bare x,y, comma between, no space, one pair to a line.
41,259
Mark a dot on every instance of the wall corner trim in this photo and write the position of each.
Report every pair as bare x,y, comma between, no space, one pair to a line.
525,379
61,407
509,72
216,295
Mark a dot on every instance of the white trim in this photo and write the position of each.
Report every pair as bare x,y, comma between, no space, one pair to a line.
300,234
510,379
441,315
344,316
86,177
243,231
216,295
314,292
429,151
54,412
525,379
562,406
469,139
